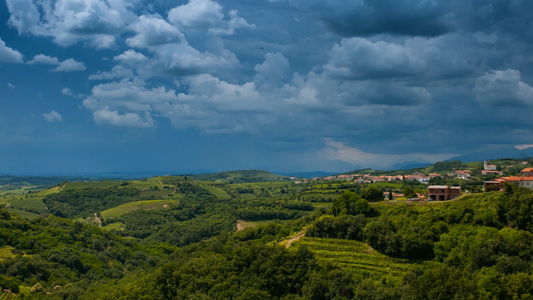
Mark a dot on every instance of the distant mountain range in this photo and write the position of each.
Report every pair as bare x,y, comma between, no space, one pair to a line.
510,152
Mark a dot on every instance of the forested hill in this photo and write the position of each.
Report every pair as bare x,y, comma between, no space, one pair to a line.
65,259
241,176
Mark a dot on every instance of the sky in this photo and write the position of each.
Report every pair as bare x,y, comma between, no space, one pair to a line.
280,85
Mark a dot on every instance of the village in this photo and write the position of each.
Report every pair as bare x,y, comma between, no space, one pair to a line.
490,176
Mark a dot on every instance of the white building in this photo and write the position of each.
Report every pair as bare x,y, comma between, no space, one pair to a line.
488,167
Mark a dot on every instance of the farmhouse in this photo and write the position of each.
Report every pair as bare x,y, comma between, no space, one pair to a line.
443,192
527,172
524,181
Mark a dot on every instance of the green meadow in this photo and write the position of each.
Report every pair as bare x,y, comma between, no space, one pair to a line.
137,205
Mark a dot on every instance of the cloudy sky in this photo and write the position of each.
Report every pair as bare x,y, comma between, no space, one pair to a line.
280,85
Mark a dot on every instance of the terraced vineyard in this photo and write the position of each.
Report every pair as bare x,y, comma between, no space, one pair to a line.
357,257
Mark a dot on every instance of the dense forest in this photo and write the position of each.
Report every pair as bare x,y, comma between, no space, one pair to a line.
180,238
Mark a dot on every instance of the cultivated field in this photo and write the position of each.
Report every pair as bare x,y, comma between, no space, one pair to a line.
357,257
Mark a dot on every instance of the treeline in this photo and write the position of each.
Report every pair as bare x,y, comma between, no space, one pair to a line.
86,202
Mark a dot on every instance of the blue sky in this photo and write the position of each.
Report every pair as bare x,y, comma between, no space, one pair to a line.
280,85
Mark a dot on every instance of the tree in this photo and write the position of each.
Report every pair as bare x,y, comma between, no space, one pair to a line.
372,193
352,204
409,192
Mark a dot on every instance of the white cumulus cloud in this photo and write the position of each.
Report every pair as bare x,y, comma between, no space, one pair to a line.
8,55
44,59
67,65
97,22
53,116
70,65
152,31
112,117
206,15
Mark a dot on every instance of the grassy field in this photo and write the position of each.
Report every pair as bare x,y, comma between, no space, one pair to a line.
137,205
357,257
154,194
114,226
24,214
217,192
33,203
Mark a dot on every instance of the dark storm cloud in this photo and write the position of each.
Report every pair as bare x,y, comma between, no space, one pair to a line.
421,18
367,18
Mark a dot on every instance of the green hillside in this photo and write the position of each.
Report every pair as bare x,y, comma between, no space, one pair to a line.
241,176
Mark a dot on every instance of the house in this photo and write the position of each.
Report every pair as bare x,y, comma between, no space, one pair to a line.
443,192
488,167
461,174
526,182
423,179
345,177
527,172
523,181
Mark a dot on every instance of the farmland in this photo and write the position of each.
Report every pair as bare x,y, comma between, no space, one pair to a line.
358,257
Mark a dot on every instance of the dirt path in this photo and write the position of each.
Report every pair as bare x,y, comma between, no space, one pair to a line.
294,238
239,225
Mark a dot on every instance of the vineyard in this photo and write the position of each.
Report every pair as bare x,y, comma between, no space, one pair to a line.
357,257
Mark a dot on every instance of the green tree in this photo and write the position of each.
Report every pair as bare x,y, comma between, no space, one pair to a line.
372,193
409,192
352,204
